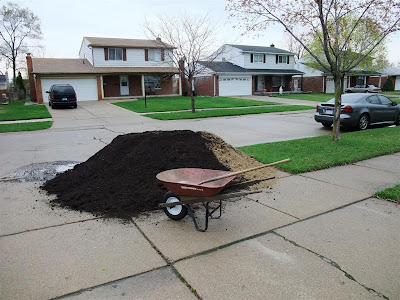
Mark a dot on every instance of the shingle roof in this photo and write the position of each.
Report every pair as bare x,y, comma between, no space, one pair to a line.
83,66
126,43
227,67
260,49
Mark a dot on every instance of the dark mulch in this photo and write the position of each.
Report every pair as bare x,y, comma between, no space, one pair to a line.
119,180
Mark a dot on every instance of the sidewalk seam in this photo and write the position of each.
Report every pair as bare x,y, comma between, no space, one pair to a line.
333,264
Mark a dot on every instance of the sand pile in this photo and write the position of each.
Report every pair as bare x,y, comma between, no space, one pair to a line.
119,180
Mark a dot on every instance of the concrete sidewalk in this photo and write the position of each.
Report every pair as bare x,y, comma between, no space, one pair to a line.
318,235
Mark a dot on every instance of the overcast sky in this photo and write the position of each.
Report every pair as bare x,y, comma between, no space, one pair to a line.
64,23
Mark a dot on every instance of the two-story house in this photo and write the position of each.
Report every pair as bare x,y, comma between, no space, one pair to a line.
107,68
246,70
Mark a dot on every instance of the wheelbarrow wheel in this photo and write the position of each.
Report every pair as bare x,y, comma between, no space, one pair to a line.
177,212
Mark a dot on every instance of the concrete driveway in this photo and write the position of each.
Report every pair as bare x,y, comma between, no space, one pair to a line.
319,235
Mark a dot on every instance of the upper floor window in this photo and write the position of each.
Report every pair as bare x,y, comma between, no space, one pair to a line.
154,54
115,53
258,58
282,59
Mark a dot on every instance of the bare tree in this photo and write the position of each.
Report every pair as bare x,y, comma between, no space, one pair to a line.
193,37
17,26
293,45
337,26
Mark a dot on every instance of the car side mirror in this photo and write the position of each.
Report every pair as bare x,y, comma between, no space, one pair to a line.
47,92
394,103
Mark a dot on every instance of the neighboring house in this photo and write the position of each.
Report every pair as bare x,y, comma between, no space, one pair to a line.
322,82
107,68
4,84
246,70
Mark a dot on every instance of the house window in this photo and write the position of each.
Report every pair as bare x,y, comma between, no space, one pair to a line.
282,59
258,58
278,81
115,53
154,54
152,82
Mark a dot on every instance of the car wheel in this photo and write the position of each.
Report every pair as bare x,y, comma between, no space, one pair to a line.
75,105
327,124
176,212
49,103
398,120
366,92
363,122
53,106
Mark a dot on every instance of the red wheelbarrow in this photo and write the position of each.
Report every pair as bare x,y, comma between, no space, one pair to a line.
193,185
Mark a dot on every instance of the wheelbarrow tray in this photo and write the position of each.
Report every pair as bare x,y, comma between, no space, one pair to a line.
183,181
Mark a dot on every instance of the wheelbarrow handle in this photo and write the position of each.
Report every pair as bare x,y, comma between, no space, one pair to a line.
243,171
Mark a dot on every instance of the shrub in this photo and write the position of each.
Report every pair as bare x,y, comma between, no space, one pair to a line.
388,86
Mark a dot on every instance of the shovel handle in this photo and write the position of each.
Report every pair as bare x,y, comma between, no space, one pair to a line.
243,171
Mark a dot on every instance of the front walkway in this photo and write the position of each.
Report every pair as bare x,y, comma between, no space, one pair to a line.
318,235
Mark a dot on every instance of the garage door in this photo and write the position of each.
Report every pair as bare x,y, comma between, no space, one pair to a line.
85,88
234,85
397,83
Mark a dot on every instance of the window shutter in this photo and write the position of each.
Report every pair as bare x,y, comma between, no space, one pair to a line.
124,54
105,53
288,59
146,54
276,58
251,58
162,55
264,58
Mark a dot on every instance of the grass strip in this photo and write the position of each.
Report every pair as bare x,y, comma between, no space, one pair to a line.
31,126
321,152
17,110
226,112
162,104
317,97
392,193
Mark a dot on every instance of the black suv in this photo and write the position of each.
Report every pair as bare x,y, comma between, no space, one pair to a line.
62,95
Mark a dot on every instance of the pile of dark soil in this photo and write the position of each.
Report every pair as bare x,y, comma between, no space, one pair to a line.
119,180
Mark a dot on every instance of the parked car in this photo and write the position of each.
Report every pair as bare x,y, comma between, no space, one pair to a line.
363,88
360,110
62,95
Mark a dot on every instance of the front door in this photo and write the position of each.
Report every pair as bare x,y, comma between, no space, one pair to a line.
124,85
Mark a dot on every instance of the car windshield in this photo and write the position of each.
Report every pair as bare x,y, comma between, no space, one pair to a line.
348,98
63,90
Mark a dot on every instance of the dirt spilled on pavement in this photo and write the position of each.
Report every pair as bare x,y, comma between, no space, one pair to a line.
119,181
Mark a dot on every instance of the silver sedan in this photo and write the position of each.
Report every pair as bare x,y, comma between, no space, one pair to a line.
360,110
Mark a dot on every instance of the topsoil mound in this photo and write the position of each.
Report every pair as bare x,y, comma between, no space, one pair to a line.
119,180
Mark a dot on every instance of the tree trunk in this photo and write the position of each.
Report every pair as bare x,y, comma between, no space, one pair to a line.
191,94
14,66
339,80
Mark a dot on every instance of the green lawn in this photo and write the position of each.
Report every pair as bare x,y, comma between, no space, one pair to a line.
391,93
160,104
226,112
25,126
16,110
320,152
390,193
318,97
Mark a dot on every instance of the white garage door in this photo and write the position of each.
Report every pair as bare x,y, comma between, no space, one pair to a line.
397,83
85,88
235,85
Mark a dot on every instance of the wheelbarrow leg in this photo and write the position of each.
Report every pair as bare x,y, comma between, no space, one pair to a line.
215,209
191,214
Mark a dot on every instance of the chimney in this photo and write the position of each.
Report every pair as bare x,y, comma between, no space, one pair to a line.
272,45
158,39
32,86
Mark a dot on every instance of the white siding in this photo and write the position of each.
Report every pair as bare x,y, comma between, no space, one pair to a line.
231,54
134,58
270,62
85,51
397,83
235,85
85,88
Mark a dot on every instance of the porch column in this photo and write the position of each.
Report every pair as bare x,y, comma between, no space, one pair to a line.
180,85
39,95
100,91
380,80
143,90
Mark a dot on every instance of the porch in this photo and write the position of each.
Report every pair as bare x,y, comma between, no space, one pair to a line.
264,84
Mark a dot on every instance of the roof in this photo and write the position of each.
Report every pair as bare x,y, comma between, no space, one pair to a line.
260,49
83,66
126,43
227,67
391,71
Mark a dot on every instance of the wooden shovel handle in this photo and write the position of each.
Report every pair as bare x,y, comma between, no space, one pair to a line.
243,171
